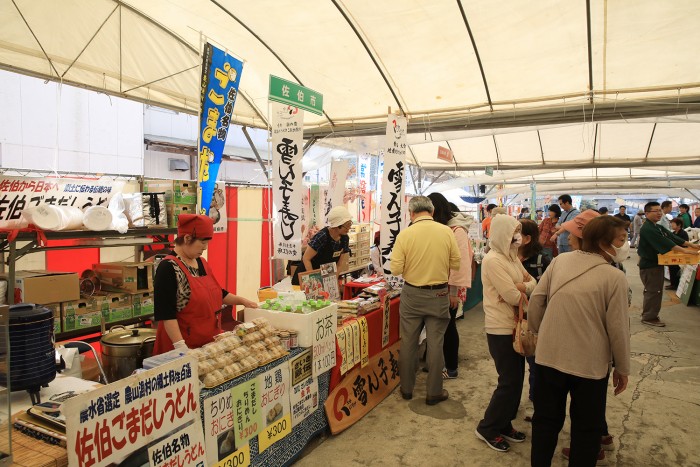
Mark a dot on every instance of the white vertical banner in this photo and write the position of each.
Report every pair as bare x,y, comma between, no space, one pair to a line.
287,141
393,186
326,204
365,161
336,187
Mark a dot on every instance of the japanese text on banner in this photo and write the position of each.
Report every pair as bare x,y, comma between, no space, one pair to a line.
132,412
365,161
183,448
393,186
274,404
221,75
20,193
323,342
336,186
287,141
219,422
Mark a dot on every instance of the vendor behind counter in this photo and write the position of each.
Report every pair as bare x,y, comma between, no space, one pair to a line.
330,245
186,293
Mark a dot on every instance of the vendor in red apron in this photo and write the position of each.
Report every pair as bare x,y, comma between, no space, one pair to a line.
186,293
330,245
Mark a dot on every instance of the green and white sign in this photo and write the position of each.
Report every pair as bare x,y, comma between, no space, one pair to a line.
287,92
489,171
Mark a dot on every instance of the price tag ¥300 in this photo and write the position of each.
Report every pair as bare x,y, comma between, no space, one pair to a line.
274,432
240,458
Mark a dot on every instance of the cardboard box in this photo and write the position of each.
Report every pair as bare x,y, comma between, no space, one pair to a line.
116,307
125,277
176,191
81,314
303,324
45,286
56,309
676,259
174,211
142,304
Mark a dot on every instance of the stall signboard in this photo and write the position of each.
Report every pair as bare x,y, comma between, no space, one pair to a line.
274,403
329,275
304,399
20,193
183,448
300,367
364,338
393,186
363,176
445,154
248,420
323,340
362,389
336,186
221,75
287,92
686,283
123,417
287,141
219,423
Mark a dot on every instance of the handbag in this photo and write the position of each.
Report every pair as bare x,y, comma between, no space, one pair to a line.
524,341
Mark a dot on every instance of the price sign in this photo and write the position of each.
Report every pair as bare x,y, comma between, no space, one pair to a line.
240,458
342,345
219,436
275,432
247,413
182,448
325,326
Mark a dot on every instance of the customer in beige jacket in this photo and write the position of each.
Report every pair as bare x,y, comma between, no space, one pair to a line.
505,280
580,312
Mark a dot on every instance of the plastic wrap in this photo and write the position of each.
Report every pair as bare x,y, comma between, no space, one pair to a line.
120,222
133,203
49,217
97,218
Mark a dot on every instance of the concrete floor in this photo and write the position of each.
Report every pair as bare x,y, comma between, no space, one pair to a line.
656,421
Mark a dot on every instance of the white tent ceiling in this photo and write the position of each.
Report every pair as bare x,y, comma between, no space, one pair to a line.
510,84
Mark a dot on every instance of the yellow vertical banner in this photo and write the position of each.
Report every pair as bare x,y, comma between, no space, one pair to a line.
350,351
342,345
356,343
364,340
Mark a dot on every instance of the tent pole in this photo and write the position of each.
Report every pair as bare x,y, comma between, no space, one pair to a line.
255,151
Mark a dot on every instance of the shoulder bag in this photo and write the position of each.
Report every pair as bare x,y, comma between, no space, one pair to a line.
524,341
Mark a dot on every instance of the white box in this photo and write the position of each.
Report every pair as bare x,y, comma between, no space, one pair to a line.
303,324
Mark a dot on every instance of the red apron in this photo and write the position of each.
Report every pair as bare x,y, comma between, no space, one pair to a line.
198,322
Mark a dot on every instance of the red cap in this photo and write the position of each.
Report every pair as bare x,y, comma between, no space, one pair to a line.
198,226
575,226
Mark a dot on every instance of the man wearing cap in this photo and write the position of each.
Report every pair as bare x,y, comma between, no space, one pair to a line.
330,245
186,294
424,253
655,240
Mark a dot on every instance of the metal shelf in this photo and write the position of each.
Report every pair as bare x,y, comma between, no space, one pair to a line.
68,335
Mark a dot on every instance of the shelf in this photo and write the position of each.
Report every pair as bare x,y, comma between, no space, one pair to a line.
68,335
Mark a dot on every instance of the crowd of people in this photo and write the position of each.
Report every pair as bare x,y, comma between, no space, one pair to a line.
567,274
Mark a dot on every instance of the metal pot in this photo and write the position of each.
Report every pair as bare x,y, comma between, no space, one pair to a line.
123,350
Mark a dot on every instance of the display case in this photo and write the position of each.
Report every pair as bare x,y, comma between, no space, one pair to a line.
5,413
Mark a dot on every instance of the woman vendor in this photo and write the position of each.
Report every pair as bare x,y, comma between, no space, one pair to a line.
186,293
330,245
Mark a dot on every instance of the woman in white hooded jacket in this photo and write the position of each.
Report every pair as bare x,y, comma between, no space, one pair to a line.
505,281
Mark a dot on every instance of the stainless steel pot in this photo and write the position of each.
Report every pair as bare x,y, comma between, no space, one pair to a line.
123,350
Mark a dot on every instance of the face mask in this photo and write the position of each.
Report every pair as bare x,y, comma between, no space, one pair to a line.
517,240
621,253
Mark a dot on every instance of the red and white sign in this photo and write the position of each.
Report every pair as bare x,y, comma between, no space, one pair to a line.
445,154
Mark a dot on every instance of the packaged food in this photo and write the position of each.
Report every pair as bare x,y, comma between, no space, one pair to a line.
257,347
236,368
261,322
239,353
205,367
268,331
210,380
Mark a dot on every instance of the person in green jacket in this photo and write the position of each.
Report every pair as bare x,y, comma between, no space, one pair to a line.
655,240
685,215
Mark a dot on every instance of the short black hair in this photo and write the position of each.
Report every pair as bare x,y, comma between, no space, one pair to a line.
678,221
603,210
666,203
565,199
650,205
490,207
622,206
684,206
555,209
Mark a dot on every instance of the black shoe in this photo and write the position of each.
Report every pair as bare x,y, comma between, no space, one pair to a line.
432,400
497,444
514,436
406,395
671,287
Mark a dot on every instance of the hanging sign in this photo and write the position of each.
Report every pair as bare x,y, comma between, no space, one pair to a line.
362,389
488,171
287,92
533,200
326,204
336,187
131,413
274,404
221,75
393,185
323,339
445,154
287,140
20,193
183,448
315,206
365,161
